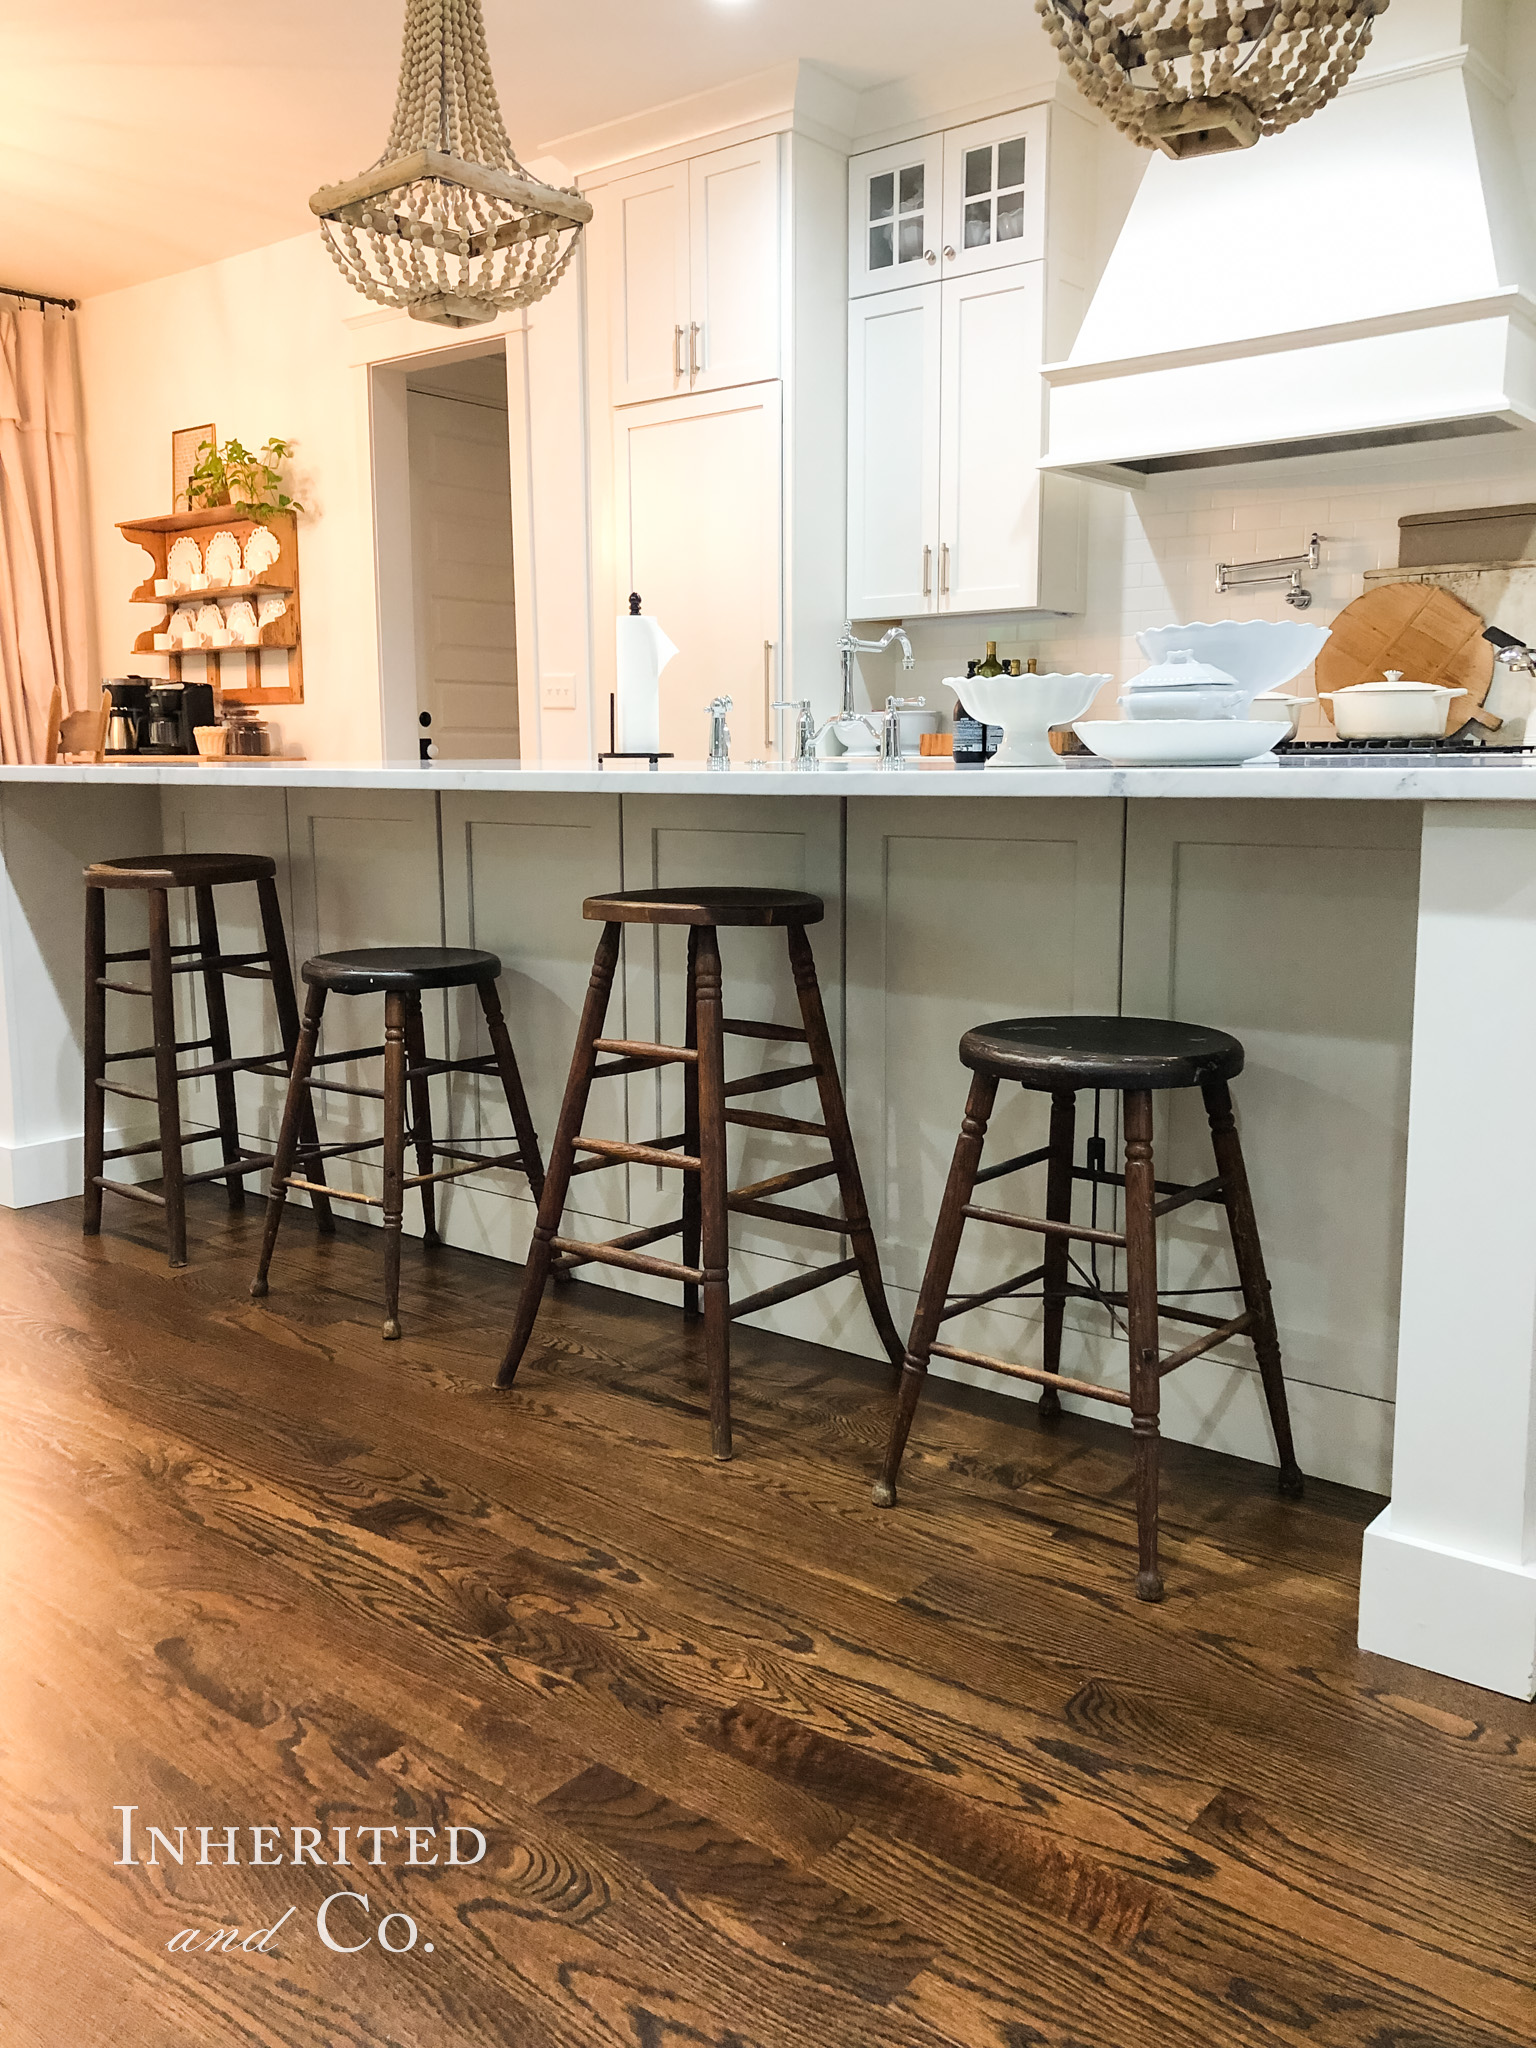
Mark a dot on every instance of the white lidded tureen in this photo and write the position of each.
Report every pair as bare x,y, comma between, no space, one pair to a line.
1182,686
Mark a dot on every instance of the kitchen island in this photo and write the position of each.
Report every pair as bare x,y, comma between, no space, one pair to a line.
1368,930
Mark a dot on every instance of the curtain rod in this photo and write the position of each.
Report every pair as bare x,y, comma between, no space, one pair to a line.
11,291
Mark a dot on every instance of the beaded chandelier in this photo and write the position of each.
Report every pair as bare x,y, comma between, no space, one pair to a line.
447,224
1193,77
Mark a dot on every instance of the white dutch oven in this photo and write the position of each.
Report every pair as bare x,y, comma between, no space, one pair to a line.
1390,710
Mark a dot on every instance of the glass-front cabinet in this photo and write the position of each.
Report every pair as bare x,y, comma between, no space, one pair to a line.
948,205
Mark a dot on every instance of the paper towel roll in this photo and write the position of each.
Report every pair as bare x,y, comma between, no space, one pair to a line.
644,651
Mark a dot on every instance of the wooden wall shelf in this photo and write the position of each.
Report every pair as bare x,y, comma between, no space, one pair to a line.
236,671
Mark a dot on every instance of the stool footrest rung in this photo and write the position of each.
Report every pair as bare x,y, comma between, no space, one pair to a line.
1005,1166
771,1077
778,1212
1236,1328
247,1063
122,1088
319,1187
614,1254
503,1162
639,1155
1046,1226
1210,1190
997,1293
786,1290
1167,1311
745,1027
767,1120
781,1183
124,1187
147,1052
647,1051
245,1162
631,1241
1033,1372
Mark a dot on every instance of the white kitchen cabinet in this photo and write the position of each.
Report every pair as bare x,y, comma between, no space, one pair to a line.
994,194
893,452
894,216
691,258
698,496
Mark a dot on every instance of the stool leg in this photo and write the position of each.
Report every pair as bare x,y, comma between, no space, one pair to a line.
1141,1317
714,1187
95,1048
275,942
512,1087
1249,1254
691,1190
289,1133
834,1114
218,1031
163,1004
940,1271
395,1027
1058,1209
562,1152
421,1111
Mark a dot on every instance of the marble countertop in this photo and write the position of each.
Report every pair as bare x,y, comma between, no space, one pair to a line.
1489,777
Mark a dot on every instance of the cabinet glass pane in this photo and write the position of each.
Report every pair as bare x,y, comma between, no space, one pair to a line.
978,171
1010,217
978,224
910,245
912,188
882,196
882,250
1010,163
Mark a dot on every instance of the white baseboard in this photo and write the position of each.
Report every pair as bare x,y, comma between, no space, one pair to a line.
1472,1618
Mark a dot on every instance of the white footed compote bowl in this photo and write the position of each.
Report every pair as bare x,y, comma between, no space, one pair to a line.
1259,654
1026,707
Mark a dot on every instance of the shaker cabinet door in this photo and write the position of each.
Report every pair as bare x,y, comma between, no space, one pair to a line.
994,193
894,216
644,243
991,436
894,558
733,325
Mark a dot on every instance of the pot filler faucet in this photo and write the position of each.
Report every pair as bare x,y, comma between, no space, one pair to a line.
885,725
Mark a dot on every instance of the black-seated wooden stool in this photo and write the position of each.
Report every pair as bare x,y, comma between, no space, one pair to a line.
1133,1056
400,974
154,876
708,1202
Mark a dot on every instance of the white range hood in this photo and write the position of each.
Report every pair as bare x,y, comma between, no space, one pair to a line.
1364,280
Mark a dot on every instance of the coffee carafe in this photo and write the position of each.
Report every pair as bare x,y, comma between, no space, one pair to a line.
129,715
163,730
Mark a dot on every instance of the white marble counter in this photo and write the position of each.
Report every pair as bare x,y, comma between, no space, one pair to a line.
1492,777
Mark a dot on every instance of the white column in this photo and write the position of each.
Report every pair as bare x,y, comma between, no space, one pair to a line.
1448,1577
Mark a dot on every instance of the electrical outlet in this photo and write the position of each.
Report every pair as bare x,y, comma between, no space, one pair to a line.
558,693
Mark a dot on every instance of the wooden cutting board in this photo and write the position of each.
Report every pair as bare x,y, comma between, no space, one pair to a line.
1420,629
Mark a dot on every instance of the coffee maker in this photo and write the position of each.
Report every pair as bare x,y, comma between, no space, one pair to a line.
172,714
129,715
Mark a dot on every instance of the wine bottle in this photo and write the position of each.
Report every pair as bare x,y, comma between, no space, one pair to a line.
991,666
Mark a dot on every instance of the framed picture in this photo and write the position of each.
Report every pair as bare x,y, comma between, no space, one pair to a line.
186,454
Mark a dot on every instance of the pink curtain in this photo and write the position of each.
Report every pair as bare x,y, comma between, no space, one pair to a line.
43,595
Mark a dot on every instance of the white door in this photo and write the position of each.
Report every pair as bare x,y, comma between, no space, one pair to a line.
644,244
895,564
461,552
994,193
733,327
893,215
700,536
989,517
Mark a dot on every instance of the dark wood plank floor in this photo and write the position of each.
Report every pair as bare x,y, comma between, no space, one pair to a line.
757,1763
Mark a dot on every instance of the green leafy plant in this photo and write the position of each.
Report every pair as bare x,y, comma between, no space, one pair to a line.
250,483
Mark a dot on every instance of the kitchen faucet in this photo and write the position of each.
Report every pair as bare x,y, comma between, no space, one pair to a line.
848,647
882,724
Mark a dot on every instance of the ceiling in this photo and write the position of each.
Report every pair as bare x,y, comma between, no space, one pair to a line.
143,137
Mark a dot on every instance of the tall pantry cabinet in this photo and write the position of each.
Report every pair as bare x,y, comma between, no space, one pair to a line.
718,308
968,268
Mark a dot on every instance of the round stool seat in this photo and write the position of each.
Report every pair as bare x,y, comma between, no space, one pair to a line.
723,905
179,871
1102,1052
372,970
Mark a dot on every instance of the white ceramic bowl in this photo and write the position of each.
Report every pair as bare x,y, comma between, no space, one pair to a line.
1179,743
1026,707
1275,704
1262,654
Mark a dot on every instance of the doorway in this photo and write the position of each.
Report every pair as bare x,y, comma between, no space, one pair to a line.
464,615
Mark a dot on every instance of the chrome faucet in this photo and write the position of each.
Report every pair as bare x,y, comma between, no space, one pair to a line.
848,647
807,732
719,733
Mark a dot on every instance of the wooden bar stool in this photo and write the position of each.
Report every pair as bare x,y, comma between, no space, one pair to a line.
154,876
1133,1056
708,1202
400,974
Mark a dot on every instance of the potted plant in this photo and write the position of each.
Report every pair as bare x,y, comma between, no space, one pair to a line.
249,482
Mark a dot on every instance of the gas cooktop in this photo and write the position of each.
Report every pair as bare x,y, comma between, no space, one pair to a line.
1343,753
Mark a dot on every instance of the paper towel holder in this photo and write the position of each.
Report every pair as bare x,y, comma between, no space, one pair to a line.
615,752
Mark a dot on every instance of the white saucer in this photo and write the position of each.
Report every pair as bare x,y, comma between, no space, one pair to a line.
1179,742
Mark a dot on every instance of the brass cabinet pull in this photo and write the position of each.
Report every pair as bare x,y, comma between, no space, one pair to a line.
694,331
944,568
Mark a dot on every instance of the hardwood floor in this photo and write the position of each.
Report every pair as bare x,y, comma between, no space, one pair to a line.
758,1765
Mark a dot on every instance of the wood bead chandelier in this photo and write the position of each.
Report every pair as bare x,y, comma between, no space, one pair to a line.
1193,77
447,224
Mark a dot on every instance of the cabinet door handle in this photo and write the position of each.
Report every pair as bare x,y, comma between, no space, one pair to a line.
949,254
944,568
693,348
927,570
769,693
679,369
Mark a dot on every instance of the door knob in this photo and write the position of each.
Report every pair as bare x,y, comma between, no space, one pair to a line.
949,255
